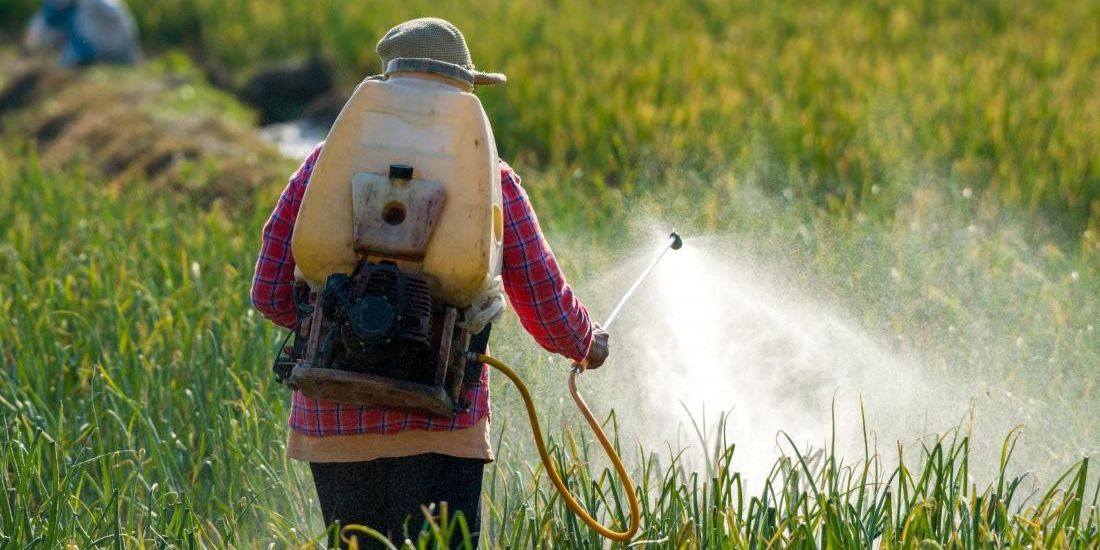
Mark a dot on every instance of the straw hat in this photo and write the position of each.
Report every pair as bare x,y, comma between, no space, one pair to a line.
431,45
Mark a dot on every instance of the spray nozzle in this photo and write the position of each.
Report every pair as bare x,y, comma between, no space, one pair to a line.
677,242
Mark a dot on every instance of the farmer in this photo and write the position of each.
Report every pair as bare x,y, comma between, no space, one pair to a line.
377,467
86,32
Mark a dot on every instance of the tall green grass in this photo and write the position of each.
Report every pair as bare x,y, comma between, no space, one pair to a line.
134,403
138,410
817,501
932,167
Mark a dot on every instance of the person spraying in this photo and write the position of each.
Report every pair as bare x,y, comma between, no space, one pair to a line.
387,255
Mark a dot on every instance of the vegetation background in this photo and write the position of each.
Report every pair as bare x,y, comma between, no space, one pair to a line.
934,169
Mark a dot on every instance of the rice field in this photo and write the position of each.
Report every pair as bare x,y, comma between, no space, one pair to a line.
929,170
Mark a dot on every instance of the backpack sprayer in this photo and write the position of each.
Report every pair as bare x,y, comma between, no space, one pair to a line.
398,245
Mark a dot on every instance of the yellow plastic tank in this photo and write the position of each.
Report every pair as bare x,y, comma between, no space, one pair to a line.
442,219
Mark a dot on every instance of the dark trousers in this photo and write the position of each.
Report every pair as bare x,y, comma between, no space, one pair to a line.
387,494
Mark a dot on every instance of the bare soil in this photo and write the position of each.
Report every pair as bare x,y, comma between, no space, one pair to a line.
113,124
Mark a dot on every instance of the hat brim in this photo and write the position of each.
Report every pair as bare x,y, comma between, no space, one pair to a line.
442,68
489,79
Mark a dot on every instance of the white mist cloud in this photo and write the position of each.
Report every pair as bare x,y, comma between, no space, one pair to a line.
708,335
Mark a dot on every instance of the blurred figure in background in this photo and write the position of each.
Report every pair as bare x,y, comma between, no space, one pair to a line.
85,32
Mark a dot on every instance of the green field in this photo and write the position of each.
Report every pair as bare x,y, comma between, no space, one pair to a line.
924,177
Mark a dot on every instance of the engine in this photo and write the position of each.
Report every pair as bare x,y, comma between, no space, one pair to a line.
381,323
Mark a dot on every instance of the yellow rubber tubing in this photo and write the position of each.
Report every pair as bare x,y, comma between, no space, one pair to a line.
628,484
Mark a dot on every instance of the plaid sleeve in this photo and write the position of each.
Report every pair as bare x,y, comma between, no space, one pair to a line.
536,287
273,281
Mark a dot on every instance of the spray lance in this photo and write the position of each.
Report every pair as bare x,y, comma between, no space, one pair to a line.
674,243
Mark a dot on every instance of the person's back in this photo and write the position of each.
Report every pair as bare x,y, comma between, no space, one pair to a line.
378,465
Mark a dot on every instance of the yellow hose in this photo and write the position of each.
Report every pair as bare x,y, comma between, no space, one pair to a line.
628,484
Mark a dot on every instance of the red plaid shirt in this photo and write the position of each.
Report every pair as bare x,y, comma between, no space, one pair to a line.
536,288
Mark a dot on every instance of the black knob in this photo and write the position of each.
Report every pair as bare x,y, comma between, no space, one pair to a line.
401,171
677,242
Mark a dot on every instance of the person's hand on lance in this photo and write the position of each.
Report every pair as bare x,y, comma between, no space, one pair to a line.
597,351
